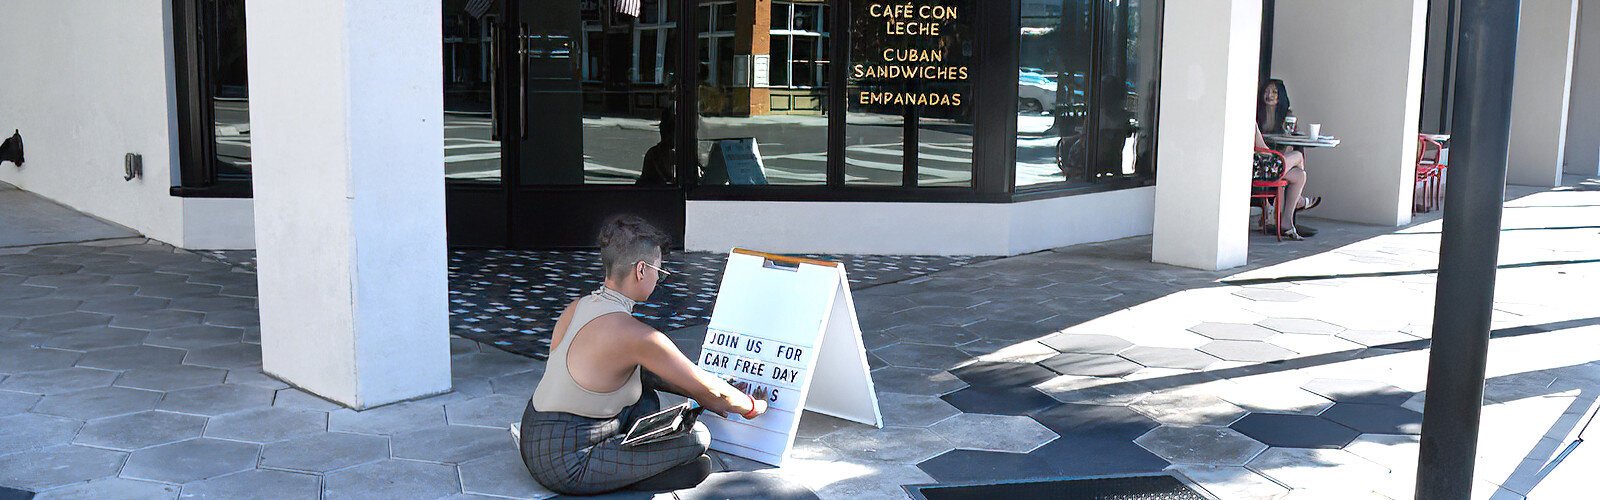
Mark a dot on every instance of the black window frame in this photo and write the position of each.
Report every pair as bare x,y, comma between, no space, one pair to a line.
196,155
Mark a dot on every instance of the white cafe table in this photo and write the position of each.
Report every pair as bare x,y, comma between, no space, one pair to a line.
1302,141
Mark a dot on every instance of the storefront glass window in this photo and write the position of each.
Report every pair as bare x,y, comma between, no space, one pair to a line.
760,123
230,89
910,64
1085,118
471,149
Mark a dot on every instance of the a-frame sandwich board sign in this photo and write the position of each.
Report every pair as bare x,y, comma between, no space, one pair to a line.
787,324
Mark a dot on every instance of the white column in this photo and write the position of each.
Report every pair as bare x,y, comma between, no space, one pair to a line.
1583,116
1209,64
1539,95
346,112
1355,66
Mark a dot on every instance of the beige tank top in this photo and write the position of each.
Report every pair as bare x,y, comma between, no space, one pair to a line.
557,390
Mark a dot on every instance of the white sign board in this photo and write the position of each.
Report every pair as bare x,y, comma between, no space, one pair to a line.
737,162
789,325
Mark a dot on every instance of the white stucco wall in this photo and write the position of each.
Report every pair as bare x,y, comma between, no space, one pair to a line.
918,228
1209,66
87,82
1540,94
1583,118
1355,66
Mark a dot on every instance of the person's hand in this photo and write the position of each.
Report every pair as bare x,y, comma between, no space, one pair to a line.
758,398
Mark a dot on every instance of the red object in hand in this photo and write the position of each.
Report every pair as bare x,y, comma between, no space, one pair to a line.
752,413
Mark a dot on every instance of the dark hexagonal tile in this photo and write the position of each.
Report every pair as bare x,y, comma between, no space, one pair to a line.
1080,455
1010,330
1233,331
393,479
76,279
178,290
209,304
44,269
122,305
933,334
227,356
1247,351
195,336
1358,391
249,483
29,431
144,277
58,466
33,359
58,381
939,315
948,299
1086,343
99,402
1094,365
1002,374
1167,357
36,307
959,466
130,357
95,292
24,291
917,381
325,452
141,430
155,320
267,425
1301,325
1295,430
449,444
217,399
96,338
1118,422
233,317
191,460
1000,400
171,378
915,355
1375,419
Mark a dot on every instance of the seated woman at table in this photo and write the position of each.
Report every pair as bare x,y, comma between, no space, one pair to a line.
603,371
1273,108
1294,171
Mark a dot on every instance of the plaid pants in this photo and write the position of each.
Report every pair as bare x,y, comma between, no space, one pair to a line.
578,455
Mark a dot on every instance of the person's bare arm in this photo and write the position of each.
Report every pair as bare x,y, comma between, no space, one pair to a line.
1260,142
656,353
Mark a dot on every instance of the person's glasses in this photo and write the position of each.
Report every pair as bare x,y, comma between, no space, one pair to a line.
664,273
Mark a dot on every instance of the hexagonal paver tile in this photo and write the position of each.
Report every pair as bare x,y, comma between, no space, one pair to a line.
1375,419
234,317
266,425
24,291
999,400
253,483
1112,422
99,402
1267,295
1086,343
1094,365
503,474
1358,391
96,338
37,307
171,378
497,411
141,430
1247,351
1168,357
1311,345
1316,469
915,355
122,305
28,431
1109,456
915,381
1014,331
195,336
1092,390
58,466
326,452
1185,408
1232,482
907,410
65,321
114,487
178,290
156,320
517,384
33,359
216,399
1372,338
489,364
1301,325
58,381
1001,374
1201,445
191,460
296,398
391,419
1294,430
392,479
944,335
226,356
903,445
253,376
1012,434
1233,331
961,466
449,444
16,402
130,357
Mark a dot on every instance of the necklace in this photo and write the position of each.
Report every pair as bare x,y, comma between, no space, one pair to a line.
607,294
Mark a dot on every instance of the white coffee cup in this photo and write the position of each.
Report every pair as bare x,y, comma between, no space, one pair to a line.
1314,130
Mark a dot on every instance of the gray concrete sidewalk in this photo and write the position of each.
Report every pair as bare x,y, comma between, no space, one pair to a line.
131,367
29,219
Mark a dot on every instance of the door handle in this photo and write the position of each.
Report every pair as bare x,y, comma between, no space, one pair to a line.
522,80
494,77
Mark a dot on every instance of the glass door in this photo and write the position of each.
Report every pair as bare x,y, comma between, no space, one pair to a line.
474,125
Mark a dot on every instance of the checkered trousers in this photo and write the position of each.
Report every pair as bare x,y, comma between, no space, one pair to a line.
578,455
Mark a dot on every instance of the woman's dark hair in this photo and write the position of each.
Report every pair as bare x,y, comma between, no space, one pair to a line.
626,240
1276,113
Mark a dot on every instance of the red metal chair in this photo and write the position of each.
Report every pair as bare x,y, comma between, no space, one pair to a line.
1430,174
1268,186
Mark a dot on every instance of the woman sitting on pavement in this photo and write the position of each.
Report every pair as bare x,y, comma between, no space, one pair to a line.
1269,118
603,371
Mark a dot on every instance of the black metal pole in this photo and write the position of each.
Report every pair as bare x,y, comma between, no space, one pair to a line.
1469,247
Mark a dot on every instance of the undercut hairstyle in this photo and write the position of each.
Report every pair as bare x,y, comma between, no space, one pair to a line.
626,240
